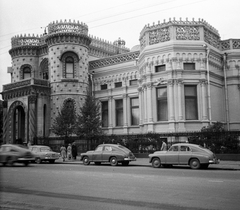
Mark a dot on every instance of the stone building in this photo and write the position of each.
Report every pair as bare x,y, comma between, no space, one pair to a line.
180,77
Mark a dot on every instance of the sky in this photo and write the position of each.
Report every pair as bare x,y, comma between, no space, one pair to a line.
109,19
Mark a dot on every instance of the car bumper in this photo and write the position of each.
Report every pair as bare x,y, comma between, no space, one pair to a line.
214,161
130,159
26,159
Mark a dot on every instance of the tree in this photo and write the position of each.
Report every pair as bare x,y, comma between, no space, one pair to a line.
64,124
215,127
88,121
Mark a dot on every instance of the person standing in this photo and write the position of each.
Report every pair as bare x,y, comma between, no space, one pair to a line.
74,151
69,152
164,146
63,152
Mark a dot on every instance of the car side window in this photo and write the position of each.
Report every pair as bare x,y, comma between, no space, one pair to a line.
174,149
184,149
108,148
34,149
99,149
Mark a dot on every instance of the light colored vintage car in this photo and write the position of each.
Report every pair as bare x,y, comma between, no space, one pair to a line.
184,154
112,153
13,153
44,153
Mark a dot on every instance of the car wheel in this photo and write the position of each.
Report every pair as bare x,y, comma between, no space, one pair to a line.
125,163
38,160
10,161
26,163
86,160
97,163
195,164
51,161
156,163
113,161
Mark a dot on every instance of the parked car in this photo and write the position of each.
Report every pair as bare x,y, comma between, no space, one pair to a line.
184,154
44,153
112,153
13,153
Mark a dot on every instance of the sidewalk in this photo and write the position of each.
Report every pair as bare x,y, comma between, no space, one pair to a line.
227,165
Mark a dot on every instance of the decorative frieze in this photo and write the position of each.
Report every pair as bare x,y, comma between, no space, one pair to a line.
187,33
159,35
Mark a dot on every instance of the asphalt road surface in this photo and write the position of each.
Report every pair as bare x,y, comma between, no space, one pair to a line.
134,187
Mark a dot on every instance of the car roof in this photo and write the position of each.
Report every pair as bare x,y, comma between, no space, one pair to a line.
39,146
185,144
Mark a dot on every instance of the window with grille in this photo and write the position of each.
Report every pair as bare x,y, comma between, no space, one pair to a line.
160,68
133,82
104,87
69,66
118,84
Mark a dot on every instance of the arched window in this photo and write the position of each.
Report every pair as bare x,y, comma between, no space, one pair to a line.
26,72
69,66
69,61
44,69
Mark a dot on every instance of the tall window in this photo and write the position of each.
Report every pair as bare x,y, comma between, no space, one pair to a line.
162,104
69,62
105,114
26,73
189,66
160,68
119,112
134,111
104,87
191,112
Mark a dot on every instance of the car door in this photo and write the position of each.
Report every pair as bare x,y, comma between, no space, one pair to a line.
171,156
97,155
184,154
107,152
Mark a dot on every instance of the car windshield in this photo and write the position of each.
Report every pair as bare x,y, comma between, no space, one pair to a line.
45,149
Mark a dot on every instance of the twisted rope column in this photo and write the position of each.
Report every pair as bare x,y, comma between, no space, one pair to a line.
5,123
32,117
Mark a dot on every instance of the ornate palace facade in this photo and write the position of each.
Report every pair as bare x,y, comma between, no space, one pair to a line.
180,77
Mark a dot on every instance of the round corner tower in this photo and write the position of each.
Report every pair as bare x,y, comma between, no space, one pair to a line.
68,46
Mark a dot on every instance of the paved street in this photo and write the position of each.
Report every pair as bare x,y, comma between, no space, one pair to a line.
71,185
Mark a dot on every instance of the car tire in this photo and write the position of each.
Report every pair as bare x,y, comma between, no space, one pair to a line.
156,163
194,163
86,160
113,161
125,163
26,163
10,161
38,160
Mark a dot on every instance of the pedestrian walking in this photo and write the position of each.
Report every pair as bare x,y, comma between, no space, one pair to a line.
63,152
164,146
69,152
74,151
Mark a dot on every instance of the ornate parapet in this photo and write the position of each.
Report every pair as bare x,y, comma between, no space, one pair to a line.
113,60
25,83
103,48
179,30
67,27
230,44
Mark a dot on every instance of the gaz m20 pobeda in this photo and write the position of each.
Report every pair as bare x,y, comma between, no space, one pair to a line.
184,154
112,153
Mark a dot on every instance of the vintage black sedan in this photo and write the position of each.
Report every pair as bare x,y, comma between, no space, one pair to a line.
184,154
112,153
14,153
